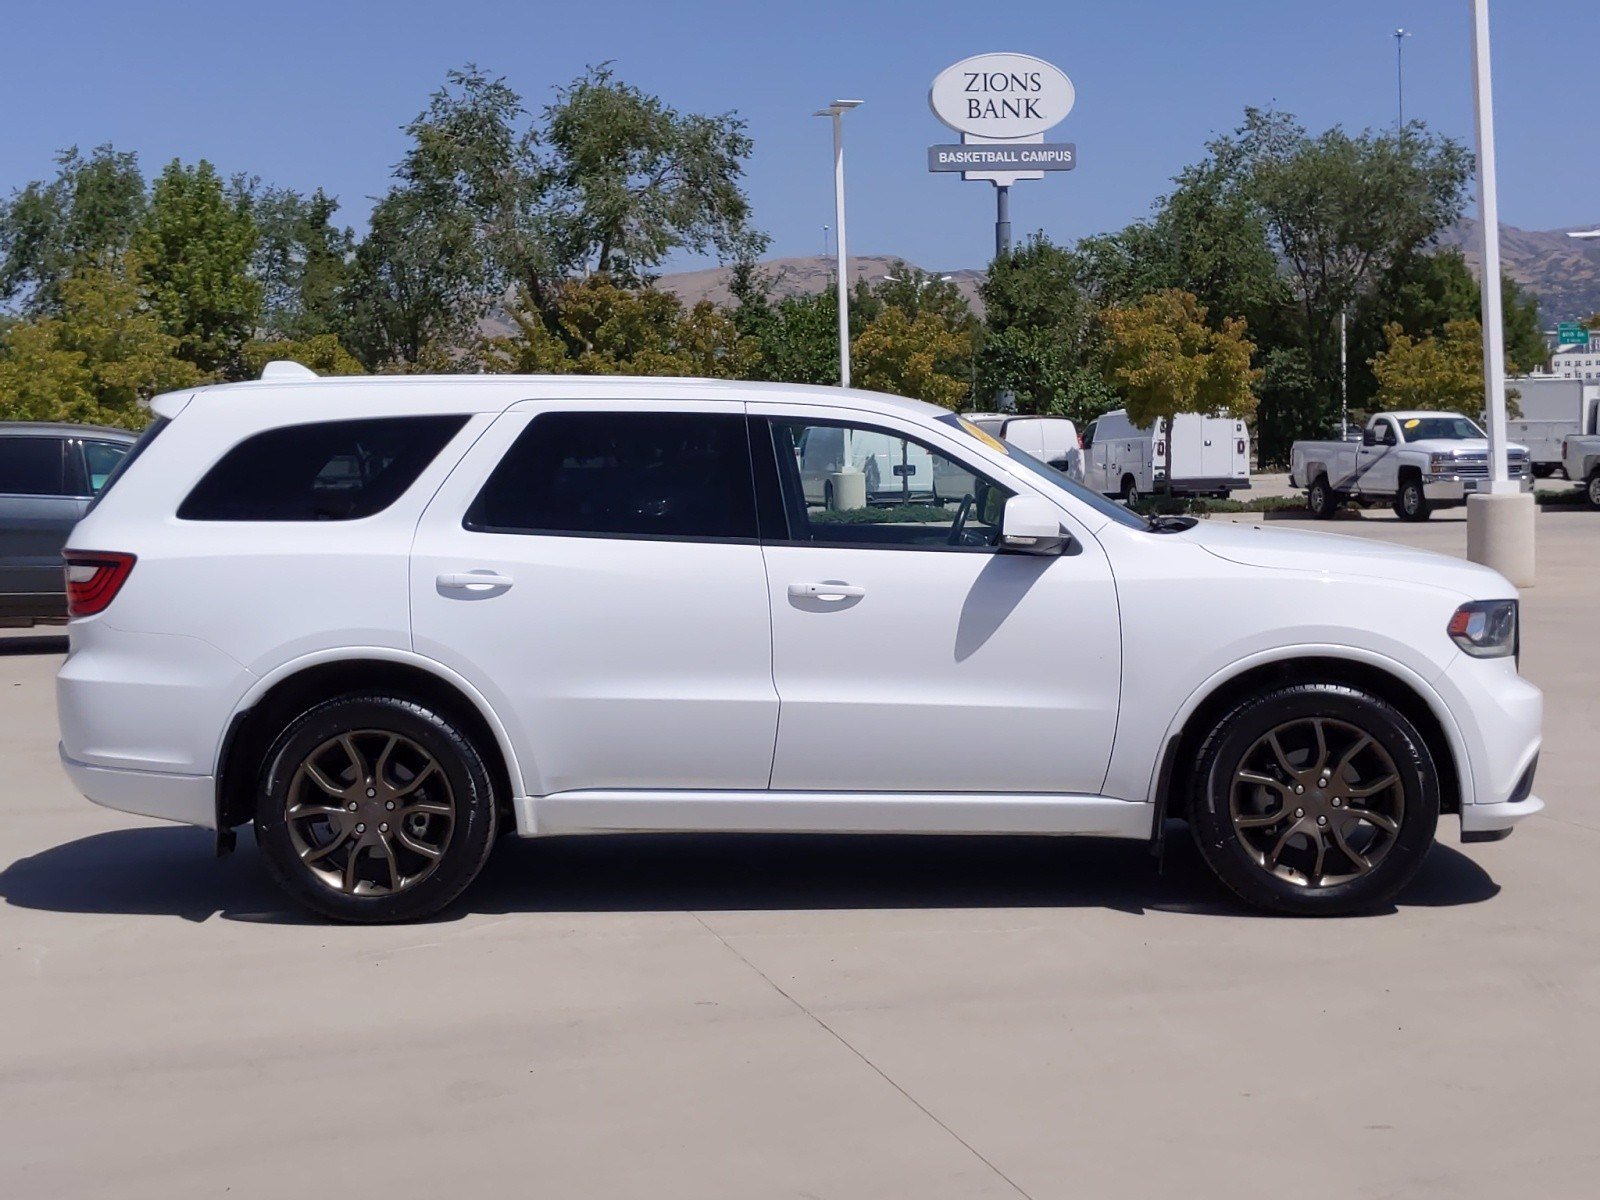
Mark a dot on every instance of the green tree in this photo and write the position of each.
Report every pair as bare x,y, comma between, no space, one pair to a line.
920,357
99,358
631,179
194,252
323,353
1166,360
302,260
1438,373
1041,339
84,217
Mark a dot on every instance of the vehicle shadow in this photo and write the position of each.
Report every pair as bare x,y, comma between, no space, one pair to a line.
33,644
171,872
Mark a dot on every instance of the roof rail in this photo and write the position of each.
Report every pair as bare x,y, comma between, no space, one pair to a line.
283,368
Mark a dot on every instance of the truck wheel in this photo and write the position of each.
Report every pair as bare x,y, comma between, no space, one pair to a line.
1130,491
1592,487
374,808
1314,799
1411,502
1322,500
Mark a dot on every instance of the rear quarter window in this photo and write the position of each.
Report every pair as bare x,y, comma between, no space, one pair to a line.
326,471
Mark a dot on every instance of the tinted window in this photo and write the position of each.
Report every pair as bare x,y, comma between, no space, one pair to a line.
101,460
33,466
332,471
847,485
623,474
151,432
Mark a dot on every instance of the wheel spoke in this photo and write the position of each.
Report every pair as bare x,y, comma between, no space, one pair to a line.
356,760
1283,840
314,773
1349,755
395,877
1322,748
380,771
1359,860
1260,820
318,853
1368,790
1263,780
1322,852
416,781
1283,759
416,847
1387,824
309,812
351,878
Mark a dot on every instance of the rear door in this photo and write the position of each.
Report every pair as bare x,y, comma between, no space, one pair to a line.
42,495
594,569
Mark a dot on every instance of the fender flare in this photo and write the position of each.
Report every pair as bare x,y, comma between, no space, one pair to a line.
294,666
1404,674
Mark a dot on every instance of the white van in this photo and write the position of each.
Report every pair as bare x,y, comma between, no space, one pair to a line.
1052,440
898,471
1209,456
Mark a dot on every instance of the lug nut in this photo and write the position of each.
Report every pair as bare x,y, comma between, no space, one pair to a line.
389,805
384,828
1299,812
351,806
361,828
1337,802
1322,820
1299,789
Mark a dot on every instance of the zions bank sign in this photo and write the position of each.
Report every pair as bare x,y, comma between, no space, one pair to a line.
1002,96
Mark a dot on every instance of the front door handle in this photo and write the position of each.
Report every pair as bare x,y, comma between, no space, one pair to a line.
474,580
826,591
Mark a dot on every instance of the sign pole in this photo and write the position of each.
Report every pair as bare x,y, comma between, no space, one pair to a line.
1002,220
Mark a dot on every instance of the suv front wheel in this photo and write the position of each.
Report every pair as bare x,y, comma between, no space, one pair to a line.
374,808
1315,799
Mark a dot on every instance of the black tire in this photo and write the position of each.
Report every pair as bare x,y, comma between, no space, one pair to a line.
1591,487
1129,491
1322,500
1411,502
463,781
1543,470
1340,709
827,496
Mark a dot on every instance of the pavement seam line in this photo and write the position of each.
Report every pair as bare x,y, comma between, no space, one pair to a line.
874,1067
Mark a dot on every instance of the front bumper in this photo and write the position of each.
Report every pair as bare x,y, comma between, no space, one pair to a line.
1491,822
191,799
1454,489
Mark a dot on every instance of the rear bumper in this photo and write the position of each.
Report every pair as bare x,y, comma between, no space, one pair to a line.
190,799
1220,483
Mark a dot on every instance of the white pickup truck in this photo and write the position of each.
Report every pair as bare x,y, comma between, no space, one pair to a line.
1418,461
1580,454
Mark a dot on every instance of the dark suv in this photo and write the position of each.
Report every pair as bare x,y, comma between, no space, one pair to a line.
48,476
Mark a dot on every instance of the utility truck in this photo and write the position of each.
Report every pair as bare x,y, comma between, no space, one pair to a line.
1552,410
1417,461
1201,456
1580,454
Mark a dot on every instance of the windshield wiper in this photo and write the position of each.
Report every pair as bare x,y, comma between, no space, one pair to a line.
1171,524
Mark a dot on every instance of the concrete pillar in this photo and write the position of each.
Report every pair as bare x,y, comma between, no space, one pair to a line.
1500,534
849,490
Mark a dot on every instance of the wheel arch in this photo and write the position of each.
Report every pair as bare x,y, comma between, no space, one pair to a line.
1386,679
294,687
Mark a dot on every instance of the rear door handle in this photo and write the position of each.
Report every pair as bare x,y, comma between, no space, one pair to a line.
474,580
826,591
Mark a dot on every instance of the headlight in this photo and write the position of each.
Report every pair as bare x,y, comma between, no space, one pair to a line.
1441,464
1486,628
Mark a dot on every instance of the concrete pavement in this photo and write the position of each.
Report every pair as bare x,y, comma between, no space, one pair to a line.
817,1017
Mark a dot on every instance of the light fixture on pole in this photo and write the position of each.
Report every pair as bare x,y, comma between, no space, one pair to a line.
836,110
1400,36
1500,522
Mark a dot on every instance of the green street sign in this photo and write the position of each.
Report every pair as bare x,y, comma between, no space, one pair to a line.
1572,335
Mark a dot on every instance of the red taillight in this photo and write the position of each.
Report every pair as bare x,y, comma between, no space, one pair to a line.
94,577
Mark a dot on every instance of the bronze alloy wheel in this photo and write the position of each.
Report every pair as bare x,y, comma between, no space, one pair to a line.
1317,802
370,813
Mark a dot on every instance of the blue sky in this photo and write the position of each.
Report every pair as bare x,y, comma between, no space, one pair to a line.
314,94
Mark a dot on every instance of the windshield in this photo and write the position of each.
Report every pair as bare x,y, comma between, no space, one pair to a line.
1049,474
1449,429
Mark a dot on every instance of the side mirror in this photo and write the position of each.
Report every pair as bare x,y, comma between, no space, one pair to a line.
1369,436
1031,525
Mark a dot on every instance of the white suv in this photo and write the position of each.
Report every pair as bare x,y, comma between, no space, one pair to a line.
385,619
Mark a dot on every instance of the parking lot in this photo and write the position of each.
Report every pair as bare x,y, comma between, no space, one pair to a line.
744,1017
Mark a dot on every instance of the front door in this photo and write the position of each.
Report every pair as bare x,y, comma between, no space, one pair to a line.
910,655
594,569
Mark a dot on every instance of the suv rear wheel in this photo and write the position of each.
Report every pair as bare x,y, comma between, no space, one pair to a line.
374,808
1315,799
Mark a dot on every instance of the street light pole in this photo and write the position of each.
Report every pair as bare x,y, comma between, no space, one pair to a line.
836,110
1500,523
1400,36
